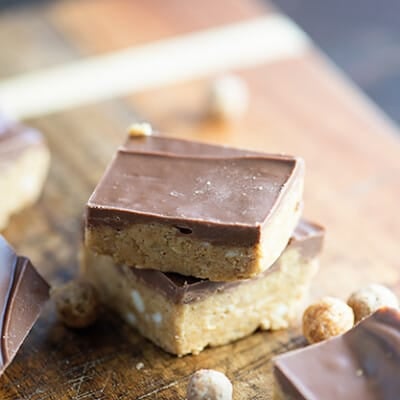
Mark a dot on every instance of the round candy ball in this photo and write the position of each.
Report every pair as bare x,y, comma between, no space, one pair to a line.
207,384
327,318
77,303
369,299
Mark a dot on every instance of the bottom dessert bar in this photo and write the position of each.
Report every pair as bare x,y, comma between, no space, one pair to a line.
184,315
363,364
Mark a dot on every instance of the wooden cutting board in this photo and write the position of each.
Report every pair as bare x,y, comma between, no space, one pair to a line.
299,104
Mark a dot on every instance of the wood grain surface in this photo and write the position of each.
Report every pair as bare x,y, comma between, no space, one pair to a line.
301,106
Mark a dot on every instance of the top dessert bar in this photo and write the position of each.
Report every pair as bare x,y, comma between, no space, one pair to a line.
23,293
364,363
202,210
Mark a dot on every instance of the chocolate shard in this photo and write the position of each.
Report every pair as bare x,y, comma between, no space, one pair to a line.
364,363
23,293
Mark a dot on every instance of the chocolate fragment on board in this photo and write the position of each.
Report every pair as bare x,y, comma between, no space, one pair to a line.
23,293
364,363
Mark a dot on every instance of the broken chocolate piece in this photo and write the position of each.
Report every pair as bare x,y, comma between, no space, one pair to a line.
363,363
23,293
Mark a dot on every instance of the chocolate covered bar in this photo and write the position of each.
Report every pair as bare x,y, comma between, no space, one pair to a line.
24,161
364,363
23,293
186,314
198,210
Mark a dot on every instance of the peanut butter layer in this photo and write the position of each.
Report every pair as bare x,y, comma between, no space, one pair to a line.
364,363
184,315
162,202
307,239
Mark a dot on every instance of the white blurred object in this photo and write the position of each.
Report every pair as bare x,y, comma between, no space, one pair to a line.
269,38
208,384
228,97
140,129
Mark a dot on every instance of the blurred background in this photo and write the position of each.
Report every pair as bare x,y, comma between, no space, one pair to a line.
361,36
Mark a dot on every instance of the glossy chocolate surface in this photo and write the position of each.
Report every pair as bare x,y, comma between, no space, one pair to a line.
212,193
362,364
174,146
307,239
23,293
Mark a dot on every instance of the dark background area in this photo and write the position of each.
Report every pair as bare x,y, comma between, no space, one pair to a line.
361,36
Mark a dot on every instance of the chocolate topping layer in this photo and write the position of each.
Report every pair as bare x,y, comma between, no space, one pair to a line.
212,193
23,292
16,138
307,238
364,363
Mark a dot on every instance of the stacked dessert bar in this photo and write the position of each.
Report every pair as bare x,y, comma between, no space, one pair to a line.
197,245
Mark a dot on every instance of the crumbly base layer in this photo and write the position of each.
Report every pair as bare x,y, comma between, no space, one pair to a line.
270,302
161,247
22,180
157,246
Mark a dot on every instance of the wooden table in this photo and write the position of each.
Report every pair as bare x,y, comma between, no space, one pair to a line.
299,105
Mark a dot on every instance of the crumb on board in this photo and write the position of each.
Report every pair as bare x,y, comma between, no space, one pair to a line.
139,366
138,129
